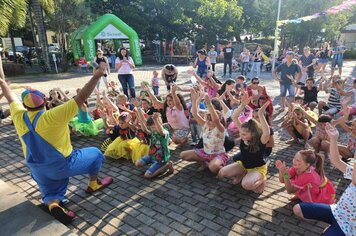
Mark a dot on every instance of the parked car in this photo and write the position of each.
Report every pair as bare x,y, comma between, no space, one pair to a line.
10,55
53,47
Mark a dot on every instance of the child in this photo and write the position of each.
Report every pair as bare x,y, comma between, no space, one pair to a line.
311,92
155,83
299,127
213,154
84,123
240,84
340,216
209,83
195,128
125,146
175,110
143,93
114,90
333,106
251,168
308,183
270,143
348,151
320,141
159,153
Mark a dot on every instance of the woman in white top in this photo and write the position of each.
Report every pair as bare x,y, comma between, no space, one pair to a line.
124,65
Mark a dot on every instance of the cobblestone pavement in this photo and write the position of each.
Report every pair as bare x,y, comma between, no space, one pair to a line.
185,203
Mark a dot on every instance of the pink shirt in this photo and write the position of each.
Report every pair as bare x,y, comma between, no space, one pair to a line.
176,118
212,92
311,188
155,81
125,67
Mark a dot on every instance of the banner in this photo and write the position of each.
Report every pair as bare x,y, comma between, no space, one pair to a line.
345,5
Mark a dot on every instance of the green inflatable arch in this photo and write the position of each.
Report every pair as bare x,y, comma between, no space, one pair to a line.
107,26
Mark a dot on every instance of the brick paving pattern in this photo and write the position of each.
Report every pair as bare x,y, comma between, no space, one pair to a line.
185,203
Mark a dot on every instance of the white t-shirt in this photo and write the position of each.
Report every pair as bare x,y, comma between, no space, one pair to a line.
345,210
125,68
212,56
245,57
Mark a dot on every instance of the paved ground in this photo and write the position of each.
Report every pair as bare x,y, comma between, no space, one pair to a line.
186,203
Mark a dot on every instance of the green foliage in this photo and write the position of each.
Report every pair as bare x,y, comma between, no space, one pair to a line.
13,12
350,54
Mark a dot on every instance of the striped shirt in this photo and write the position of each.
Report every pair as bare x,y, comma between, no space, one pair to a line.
334,100
338,56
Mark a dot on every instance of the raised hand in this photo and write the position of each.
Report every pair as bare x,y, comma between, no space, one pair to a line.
122,107
135,102
100,71
245,99
281,166
156,115
332,132
174,88
207,99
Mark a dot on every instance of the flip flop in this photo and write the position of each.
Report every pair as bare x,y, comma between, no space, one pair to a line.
106,181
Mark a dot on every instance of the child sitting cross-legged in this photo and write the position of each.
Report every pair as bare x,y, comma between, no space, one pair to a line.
251,168
298,126
308,183
213,154
159,154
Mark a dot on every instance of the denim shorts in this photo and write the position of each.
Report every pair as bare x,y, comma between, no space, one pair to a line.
323,60
283,90
337,62
155,165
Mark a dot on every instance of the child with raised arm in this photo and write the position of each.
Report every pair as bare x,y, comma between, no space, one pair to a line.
213,154
251,168
306,178
340,216
159,154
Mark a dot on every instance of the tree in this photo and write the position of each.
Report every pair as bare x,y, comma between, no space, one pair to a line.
68,16
41,30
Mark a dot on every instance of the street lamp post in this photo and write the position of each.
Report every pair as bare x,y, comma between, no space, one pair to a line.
275,36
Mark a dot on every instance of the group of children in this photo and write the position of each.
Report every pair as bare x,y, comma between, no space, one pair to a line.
220,116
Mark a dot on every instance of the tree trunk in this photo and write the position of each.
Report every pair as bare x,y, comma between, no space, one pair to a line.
13,44
32,27
42,36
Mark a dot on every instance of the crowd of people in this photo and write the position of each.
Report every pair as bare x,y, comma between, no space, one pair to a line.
218,116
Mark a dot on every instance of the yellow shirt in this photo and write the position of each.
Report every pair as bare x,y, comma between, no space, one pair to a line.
51,126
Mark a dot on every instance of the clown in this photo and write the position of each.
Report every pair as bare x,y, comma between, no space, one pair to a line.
45,140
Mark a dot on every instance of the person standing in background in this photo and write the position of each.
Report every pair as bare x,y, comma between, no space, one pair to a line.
338,57
245,60
228,53
212,54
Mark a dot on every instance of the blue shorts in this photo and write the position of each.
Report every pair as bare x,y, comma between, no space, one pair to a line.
321,212
337,62
323,60
283,90
155,165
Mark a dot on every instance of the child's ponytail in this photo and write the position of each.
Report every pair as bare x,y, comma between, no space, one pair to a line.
319,165
313,158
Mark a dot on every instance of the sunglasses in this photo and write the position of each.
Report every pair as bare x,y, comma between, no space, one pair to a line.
255,82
